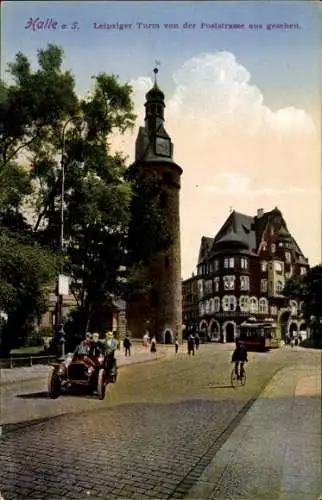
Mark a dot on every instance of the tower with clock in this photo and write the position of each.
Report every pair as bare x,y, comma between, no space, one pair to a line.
160,312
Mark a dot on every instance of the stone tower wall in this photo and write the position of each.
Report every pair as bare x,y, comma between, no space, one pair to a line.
164,270
167,265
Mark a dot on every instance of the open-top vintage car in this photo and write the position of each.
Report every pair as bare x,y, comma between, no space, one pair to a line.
82,370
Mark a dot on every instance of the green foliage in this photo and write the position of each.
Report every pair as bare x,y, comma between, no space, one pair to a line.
25,269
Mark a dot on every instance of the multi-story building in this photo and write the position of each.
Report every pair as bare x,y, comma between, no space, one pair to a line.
242,272
190,304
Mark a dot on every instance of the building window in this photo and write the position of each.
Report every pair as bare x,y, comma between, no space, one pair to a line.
229,303
244,263
216,265
273,310
208,286
303,271
263,286
253,305
229,282
200,287
264,266
264,246
279,286
217,304
278,267
263,305
244,303
216,282
273,247
244,282
166,262
229,262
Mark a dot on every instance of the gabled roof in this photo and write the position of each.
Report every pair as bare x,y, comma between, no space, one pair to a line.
237,230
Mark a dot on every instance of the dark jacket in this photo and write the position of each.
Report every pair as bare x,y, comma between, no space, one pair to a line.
240,354
126,343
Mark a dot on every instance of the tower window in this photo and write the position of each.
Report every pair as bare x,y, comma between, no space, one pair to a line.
166,262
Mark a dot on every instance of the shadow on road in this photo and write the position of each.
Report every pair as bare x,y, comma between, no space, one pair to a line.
34,395
45,395
214,386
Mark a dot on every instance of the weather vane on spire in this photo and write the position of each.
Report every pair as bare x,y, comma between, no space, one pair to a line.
156,71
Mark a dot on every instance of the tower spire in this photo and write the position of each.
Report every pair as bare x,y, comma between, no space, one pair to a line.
155,71
154,105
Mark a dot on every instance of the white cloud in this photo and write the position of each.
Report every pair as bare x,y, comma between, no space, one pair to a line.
237,185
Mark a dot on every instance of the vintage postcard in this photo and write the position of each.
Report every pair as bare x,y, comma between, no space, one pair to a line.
160,250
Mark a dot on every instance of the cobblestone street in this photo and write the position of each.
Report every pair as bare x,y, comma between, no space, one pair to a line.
153,436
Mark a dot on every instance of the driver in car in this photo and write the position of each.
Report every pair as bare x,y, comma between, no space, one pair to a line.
96,347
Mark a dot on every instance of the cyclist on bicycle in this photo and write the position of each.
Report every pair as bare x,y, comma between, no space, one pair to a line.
239,358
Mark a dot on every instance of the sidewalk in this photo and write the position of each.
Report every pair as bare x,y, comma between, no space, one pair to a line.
275,452
139,354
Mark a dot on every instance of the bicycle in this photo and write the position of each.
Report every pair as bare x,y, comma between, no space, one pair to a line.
235,381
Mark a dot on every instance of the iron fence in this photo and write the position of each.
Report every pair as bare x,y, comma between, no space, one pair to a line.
19,362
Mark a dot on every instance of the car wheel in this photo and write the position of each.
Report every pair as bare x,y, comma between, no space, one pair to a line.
54,386
101,384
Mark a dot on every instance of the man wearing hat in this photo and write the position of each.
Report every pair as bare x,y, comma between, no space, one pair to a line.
96,347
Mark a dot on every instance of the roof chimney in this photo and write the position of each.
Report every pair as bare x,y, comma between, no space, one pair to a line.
260,213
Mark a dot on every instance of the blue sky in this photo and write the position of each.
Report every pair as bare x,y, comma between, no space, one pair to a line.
283,64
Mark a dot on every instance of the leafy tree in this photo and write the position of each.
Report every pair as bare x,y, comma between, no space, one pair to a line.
25,270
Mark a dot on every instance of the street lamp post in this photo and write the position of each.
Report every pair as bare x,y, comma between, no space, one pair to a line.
59,323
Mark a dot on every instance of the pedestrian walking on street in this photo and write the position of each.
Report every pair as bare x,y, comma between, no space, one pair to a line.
127,345
197,341
191,345
153,345
176,346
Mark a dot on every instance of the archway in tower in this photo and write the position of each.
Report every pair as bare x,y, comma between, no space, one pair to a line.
230,332
284,319
168,337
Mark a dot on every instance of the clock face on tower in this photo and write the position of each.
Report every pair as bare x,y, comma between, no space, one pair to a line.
163,146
